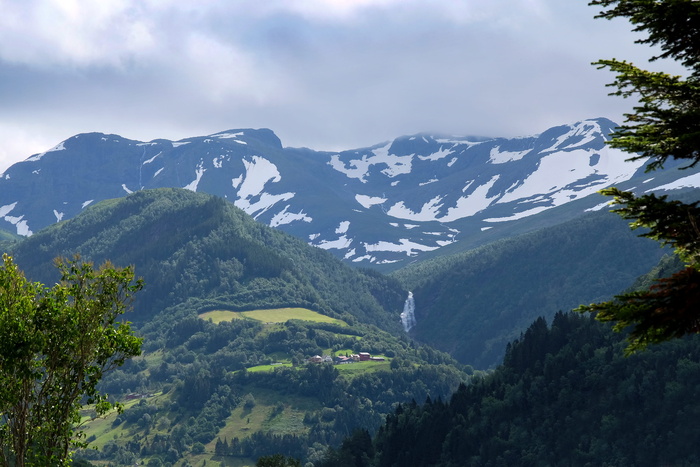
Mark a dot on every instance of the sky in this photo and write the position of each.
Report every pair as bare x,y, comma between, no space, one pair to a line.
323,74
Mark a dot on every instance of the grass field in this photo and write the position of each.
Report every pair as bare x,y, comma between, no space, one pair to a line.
102,429
353,369
268,367
276,315
268,414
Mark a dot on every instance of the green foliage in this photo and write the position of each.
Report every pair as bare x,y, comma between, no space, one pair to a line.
214,398
666,123
667,309
463,308
198,253
277,460
564,395
55,346
200,250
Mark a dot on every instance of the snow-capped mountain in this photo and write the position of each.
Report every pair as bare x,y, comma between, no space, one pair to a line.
384,204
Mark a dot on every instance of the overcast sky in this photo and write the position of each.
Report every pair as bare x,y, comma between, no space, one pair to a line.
325,74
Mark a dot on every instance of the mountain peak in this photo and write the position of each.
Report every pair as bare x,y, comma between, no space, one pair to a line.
385,204
263,136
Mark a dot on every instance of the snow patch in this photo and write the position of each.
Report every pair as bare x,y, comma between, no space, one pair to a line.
265,202
587,128
59,147
59,215
179,143
369,258
404,246
128,191
258,173
218,162
598,207
18,221
152,158
437,155
225,135
519,215
691,181
283,217
5,210
343,227
428,211
87,203
469,205
339,244
501,157
192,186
369,201
558,173
359,168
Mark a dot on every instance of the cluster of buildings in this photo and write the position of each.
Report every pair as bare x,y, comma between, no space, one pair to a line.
341,359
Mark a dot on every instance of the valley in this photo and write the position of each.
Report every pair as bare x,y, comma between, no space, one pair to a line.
258,341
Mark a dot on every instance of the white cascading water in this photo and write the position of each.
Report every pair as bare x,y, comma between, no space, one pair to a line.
408,318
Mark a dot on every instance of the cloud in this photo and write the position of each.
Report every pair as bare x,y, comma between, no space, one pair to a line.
327,74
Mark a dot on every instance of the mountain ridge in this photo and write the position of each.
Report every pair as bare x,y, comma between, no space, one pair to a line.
381,206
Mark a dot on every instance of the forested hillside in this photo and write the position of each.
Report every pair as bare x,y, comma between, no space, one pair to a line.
231,314
199,249
472,304
564,395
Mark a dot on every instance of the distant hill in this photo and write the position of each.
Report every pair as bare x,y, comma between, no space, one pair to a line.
235,388
472,304
383,206
243,380
199,248
564,395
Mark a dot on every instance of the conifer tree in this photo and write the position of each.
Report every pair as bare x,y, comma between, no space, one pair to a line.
665,123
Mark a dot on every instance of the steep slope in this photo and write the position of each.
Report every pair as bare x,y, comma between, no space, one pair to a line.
194,247
231,313
472,304
382,206
565,395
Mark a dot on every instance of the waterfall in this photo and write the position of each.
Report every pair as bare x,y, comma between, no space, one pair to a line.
408,318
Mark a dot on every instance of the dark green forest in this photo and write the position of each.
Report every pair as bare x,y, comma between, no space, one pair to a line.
564,395
461,306
198,253
233,391
199,249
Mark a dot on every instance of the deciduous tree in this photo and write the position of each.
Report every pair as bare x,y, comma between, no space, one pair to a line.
55,345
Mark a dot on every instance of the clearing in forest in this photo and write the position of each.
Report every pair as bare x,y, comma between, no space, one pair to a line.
276,315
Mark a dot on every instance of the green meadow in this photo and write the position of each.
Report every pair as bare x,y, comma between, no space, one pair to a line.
275,315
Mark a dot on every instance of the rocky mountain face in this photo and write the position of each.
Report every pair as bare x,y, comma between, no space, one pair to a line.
383,206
